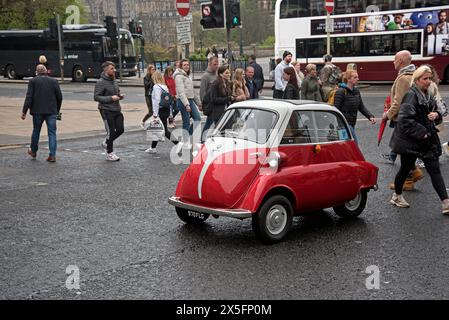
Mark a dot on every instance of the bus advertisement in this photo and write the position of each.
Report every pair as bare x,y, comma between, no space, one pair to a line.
368,33
86,47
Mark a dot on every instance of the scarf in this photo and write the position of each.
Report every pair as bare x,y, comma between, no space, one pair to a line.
425,99
410,69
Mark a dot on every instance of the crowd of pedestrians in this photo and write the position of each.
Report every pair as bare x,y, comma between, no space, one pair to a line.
414,108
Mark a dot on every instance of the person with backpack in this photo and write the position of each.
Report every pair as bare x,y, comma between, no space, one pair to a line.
330,76
161,102
207,80
349,101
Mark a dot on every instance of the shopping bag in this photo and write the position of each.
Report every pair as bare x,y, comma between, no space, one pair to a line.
155,130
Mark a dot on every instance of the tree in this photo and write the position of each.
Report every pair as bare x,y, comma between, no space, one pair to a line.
34,14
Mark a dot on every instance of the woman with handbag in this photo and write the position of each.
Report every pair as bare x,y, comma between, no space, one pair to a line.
415,135
161,101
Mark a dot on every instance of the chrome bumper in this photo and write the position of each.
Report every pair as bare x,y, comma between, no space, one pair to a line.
232,213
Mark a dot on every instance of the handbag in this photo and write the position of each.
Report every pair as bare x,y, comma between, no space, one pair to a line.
166,99
155,130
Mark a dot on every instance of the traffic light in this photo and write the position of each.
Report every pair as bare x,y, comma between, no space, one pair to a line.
213,14
111,27
132,26
233,17
52,32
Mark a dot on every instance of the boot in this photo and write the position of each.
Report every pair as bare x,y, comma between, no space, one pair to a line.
408,185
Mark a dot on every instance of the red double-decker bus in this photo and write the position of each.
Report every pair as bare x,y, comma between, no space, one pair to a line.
366,32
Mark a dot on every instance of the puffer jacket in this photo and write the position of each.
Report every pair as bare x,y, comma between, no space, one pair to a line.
413,125
105,88
349,102
184,88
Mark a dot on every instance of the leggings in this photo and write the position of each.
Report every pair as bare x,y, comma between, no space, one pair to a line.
432,167
164,113
113,123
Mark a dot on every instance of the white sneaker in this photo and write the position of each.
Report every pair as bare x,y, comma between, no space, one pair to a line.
112,157
419,163
151,150
142,125
399,201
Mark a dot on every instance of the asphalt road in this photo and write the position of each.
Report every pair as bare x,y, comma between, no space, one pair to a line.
113,222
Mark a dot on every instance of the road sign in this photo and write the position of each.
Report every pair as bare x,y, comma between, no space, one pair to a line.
183,27
184,32
329,24
183,7
329,5
184,38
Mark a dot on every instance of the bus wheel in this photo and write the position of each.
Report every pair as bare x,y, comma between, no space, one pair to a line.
11,72
78,74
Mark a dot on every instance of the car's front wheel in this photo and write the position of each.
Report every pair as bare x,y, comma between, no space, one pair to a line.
191,217
354,207
273,220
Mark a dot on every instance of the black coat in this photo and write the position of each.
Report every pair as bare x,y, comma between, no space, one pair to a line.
43,96
413,125
291,93
252,89
219,101
258,75
349,102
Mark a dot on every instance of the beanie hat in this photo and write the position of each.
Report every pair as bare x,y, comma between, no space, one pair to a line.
286,53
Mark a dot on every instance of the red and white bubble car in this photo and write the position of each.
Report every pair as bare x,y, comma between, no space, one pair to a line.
271,160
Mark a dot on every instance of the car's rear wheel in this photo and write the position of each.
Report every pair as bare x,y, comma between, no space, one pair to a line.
11,72
273,220
191,217
354,207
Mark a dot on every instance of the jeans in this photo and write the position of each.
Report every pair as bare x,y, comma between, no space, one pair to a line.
194,114
353,134
432,167
50,120
207,125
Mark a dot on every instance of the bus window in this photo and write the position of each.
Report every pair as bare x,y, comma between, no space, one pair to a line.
350,46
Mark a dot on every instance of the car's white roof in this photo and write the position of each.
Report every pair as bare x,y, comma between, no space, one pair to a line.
282,106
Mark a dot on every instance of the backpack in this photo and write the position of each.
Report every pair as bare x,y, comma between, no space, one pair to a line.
166,99
331,96
207,102
335,75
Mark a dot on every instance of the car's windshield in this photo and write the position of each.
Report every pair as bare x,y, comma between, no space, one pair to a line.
246,123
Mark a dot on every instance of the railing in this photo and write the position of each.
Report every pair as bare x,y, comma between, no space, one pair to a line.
197,66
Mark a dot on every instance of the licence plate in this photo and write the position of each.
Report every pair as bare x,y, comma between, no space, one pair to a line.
194,214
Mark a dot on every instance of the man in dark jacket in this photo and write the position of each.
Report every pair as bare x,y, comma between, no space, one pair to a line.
43,99
251,83
258,72
107,93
